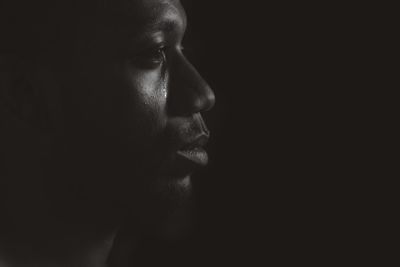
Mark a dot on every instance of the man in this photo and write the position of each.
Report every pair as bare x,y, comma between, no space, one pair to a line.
101,127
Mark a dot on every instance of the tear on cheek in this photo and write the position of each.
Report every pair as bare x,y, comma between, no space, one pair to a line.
164,85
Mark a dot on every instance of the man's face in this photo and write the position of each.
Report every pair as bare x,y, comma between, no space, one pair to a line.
128,102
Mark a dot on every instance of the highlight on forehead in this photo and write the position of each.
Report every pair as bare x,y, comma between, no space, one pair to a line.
146,15
134,8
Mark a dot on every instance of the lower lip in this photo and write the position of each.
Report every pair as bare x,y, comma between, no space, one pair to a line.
197,155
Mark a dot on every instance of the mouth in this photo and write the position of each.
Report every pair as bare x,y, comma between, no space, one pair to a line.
194,151
189,157
198,156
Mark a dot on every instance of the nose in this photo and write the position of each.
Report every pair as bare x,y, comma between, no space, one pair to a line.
189,93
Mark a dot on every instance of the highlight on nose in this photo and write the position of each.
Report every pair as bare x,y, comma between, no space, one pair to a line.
189,92
205,101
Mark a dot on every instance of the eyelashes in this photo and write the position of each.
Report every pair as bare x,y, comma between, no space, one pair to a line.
154,57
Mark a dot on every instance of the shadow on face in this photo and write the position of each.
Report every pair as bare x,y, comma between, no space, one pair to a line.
123,126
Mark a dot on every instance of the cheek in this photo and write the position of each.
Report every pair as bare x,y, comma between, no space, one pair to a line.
149,98
146,116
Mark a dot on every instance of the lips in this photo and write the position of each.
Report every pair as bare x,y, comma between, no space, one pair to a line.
195,155
190,156
194,152
187,139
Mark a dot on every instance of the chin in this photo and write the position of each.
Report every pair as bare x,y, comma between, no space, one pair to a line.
173,191
162,198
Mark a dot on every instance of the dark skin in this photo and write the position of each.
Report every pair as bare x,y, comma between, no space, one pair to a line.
112,110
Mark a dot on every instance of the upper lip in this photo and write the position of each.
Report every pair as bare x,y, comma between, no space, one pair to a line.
197,142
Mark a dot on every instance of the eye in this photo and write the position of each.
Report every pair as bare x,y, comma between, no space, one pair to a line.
152,57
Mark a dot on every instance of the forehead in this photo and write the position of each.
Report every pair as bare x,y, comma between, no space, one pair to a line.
141,5
146,13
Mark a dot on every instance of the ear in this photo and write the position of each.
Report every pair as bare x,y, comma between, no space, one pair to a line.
18,96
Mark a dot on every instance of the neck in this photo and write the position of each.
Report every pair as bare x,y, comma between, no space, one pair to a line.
53,243
115,249
60,229
31,235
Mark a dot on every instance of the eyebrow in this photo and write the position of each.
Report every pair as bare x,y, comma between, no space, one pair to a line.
143,28
146,31
163,25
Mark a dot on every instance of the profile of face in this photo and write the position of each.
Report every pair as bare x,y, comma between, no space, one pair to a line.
125,106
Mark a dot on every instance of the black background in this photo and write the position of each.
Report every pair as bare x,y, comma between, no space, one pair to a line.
266,196
282,187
